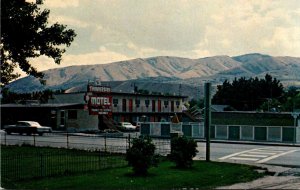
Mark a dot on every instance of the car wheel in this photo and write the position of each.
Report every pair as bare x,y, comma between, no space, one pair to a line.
41,134
28,134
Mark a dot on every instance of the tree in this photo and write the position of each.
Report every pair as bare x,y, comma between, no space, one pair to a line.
198,103
183,150
291,100
141,155
27,34
248,94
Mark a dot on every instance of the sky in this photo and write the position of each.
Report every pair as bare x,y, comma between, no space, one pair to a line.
117,30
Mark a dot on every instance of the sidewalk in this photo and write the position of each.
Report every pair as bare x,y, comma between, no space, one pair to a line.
271,182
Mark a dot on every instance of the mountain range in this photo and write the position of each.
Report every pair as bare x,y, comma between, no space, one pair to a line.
173,75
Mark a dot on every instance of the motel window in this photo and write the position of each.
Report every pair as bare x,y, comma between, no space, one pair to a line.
115,102
62,118
166,103
137,103
124,107
147,102
72,114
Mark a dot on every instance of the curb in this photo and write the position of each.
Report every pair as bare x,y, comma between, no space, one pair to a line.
250,143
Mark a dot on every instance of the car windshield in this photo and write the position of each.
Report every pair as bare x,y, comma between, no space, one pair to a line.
33,124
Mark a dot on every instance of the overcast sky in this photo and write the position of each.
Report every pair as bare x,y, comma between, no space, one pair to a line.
115,30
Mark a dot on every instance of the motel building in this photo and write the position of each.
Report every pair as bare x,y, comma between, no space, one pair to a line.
129,107
80,111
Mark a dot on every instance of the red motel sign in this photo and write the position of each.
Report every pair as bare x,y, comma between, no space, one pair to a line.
99,100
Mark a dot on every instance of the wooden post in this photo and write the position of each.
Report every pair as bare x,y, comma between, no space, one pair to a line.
67,139
105,150
34,140
129,139
207,121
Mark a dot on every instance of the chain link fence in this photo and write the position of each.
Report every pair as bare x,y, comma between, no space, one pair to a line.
100,152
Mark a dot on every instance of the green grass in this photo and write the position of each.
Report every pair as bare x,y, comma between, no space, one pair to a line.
22,163
203,175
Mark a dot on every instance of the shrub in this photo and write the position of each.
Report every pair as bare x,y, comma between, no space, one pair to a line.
183,150
141,155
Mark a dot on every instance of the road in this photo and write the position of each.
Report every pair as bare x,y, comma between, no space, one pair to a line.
236,153
257,154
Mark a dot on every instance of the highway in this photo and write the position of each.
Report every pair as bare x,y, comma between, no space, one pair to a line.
225,152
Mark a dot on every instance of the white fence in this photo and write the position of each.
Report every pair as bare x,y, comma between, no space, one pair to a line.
288,134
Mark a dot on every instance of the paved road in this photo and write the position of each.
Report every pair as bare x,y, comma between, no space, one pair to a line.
257,154
237,153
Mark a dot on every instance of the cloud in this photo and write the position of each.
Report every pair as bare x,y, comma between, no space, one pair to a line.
284,41
251,26
102,56
185,28
61,3
68,21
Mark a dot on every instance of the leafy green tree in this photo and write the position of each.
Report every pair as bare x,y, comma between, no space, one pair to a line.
248,94
198,103
141,155
291,100
271,105
26,33
183,150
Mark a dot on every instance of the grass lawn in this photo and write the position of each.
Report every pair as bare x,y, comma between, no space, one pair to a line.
203,175
27,163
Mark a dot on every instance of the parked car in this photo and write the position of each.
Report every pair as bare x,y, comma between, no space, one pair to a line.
138,125
126,126
27,127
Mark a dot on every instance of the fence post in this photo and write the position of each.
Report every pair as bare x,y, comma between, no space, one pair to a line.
128,141
42,165
34,140
99,160
105,143
67,139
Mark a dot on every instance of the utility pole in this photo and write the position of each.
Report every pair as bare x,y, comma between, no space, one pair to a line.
207,121
295,116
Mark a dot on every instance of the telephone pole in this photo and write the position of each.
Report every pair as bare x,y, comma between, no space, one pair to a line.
207,121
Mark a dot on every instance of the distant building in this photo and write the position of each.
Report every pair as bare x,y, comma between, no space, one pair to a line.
69,111
59,116
132,107
218,108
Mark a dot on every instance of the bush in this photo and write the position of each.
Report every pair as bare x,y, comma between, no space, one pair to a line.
183,150
141,155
